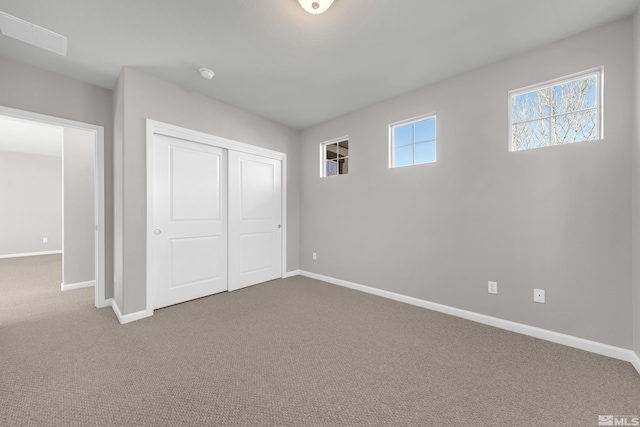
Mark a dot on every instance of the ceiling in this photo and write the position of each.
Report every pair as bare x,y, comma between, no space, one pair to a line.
275,60
25,136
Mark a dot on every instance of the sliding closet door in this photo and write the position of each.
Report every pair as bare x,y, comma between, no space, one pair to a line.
189,240
255,219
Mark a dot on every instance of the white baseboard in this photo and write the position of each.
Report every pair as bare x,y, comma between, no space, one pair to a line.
291,274
104,304
30,254
568,340
128,318
79,285
635,361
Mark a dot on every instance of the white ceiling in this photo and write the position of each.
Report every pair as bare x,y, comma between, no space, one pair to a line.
275,60
30,137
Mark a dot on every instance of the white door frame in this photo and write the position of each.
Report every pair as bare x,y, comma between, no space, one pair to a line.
98,188
159,128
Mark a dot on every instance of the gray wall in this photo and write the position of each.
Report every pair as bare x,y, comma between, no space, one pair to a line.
78,207
636,187
555,218
141,96
31,206
32,89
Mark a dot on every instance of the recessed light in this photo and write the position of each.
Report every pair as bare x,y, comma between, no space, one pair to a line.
206,73
27,32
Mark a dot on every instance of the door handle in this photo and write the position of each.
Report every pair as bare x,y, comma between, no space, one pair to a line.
279,225
157,231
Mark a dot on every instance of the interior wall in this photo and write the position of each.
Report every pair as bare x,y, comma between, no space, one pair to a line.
636,186
145,97
556,218
31,189
31,89
78,206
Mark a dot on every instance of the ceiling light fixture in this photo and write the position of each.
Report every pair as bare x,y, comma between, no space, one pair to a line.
315,6
206,73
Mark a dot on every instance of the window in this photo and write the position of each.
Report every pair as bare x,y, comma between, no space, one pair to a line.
335,157
413,142
556,113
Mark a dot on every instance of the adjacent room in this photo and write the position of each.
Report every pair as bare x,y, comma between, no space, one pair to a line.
320,212
31,157
48,197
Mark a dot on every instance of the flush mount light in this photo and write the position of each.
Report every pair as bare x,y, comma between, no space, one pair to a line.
315,6
27,32
206,73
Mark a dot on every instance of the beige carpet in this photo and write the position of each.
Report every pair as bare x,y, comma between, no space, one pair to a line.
293,352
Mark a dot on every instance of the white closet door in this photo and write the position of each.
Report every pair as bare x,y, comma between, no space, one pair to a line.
189,241
255,218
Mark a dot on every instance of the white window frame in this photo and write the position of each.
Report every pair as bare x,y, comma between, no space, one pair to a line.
597,71
406,122
323,155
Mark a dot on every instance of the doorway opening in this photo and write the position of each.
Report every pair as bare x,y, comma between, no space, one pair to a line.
84,145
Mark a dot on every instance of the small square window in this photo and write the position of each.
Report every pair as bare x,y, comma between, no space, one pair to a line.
413,142
335,157
564,111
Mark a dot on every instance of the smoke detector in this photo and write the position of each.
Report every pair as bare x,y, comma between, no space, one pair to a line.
206,73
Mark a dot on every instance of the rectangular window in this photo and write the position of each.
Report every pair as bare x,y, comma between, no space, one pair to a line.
564,111
334,157
412,142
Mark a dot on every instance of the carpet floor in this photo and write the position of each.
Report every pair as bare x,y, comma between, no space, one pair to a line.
291,352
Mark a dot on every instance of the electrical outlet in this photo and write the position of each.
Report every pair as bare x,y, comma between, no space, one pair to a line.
45,240
538,295
492,287
315,256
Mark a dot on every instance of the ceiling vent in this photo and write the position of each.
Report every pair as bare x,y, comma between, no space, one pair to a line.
27,32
